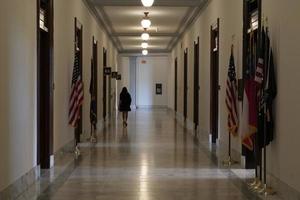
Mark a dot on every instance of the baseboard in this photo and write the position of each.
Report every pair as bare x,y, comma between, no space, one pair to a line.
14,190
282,189
151,107
67,148
101,124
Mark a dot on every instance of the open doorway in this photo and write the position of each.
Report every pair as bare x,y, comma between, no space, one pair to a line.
185,82
251,38
214,80
45,83
196,83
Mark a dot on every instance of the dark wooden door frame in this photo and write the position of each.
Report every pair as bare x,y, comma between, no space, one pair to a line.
45,85
95,70
175,84
104,83
196,82
250,155
185,82
78,36
214,80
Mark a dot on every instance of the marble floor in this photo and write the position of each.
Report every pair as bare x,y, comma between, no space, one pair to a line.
154,158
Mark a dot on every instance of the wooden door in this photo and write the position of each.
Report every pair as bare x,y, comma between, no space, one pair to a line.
176,85
185,83
196,83
214,82
104,83
78,47
95,73
44,82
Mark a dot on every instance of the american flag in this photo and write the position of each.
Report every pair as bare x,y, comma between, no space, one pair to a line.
231,97
76,98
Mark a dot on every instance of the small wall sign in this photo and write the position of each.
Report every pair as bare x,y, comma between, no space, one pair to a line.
107,70
158,89
119,77
114,75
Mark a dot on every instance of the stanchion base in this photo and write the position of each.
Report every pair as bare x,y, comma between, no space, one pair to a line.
253,183
267,191
93,139
77,152
229,162
258,187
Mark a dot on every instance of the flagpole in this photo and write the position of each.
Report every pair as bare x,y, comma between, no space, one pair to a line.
229,161
266,190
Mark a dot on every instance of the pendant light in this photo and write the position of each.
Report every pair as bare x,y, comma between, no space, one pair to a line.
145,52
146,23
145,36
147,3
144,45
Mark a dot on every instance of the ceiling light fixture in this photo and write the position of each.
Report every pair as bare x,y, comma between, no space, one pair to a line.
147,3
146,23
145,36
145,52
144,45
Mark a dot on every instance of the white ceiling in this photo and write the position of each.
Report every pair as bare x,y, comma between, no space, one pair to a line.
122,18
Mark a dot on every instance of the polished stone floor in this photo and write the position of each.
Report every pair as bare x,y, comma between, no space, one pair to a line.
154,158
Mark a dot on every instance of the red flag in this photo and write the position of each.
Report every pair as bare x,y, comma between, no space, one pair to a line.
249,114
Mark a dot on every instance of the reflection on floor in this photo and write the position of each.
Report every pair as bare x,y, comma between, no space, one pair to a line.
154,158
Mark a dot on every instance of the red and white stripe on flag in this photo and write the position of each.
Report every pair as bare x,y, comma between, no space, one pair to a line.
231,103
231,98
76,100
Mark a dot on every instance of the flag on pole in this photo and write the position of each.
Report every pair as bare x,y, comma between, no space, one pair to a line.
231,97
249,110
270,95
76,98
260,77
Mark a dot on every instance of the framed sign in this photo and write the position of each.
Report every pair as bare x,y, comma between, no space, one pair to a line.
107,70
119,77
114,75
158,89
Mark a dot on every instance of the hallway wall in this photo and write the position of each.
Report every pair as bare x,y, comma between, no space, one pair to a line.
152,70
18,104
63,65
230,14
17,89
283,17
284,35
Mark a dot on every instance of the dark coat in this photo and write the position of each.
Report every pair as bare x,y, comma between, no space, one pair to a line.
125,102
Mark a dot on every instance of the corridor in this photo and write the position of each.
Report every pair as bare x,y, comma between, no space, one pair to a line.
155,158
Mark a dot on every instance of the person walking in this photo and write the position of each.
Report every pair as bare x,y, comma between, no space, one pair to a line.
124,105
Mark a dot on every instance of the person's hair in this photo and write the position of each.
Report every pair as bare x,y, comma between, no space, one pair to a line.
124,90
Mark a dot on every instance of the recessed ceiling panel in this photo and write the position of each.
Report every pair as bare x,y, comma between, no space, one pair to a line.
122,21
126,19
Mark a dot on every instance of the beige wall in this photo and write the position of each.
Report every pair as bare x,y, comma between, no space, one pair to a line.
18,79
230,14
63,64
284,32
283,17
17,89
154,70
